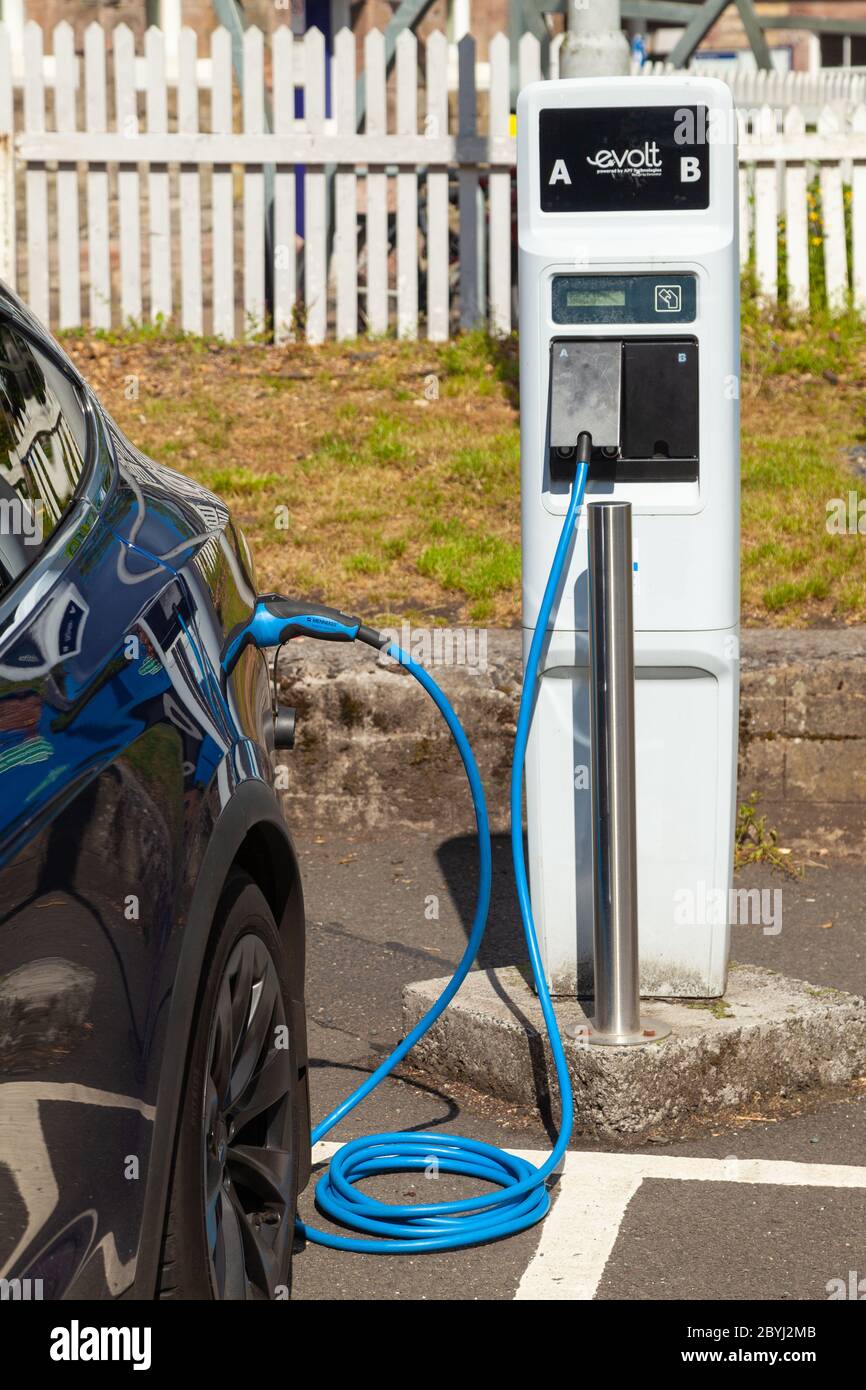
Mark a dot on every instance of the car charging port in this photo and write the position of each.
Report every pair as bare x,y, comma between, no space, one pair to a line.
285,721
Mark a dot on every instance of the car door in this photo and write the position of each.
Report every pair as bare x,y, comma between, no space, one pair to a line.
106,746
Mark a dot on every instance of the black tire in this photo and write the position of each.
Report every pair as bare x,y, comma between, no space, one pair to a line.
230,1222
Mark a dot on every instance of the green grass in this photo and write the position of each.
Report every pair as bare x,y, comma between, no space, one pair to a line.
397,464
470,562
365,562
241,482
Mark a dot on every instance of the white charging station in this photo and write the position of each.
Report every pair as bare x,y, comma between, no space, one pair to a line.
629,328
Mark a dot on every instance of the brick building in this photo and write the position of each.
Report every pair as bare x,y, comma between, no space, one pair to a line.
796,49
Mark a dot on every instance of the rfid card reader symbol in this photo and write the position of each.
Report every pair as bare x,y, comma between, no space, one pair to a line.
669,299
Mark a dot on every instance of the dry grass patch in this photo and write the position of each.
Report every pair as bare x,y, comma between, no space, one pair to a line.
384,476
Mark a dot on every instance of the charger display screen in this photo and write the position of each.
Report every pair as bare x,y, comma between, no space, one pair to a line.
594,299
655,299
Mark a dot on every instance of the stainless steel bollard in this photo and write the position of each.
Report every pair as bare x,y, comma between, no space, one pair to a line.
617,1019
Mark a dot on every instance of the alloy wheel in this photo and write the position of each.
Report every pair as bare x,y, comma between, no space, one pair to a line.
247,1124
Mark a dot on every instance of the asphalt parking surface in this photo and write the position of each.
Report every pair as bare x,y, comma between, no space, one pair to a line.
370,903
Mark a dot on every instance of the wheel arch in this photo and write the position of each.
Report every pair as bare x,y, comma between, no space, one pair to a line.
250,833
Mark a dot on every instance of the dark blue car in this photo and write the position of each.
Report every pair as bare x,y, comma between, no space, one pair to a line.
154,1119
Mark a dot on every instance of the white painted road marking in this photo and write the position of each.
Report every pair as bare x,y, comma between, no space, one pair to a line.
579,1234
593,1193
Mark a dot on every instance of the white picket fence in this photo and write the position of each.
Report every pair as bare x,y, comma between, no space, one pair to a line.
840,89
776,170
124,206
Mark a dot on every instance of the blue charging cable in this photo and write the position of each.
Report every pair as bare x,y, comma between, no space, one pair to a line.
522,1198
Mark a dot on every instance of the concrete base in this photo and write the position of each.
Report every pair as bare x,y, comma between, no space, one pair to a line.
769,1037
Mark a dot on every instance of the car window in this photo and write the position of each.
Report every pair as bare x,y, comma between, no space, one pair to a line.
43,447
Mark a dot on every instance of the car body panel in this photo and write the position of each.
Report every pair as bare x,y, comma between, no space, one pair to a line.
130,784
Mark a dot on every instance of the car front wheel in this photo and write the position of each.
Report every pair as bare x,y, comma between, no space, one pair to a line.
230,1223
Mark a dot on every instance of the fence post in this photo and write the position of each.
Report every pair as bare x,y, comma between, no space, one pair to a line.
68,243
407,189
7,163
315,194
98,247
7,208
499,214
472,292
858,211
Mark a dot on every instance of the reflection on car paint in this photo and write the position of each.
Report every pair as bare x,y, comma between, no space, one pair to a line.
55,634
25,1111
117,753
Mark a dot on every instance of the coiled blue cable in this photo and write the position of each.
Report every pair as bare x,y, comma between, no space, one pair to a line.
522,1198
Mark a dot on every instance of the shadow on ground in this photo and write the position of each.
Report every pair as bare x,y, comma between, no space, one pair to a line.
503,942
